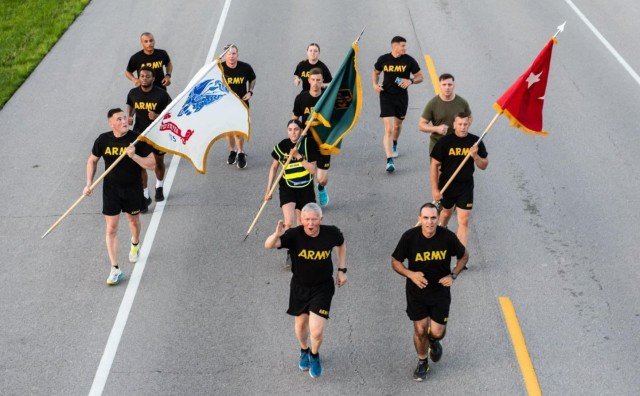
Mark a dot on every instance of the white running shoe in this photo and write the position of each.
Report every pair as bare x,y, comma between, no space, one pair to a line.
134,253
114,276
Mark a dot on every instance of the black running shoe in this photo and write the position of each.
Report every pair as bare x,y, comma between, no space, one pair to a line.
421,371
145,205
242,160
159,194
435,351
232,158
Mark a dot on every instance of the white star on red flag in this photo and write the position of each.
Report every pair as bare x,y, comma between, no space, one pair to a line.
532,79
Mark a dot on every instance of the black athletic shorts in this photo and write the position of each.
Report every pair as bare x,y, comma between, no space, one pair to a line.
117,199
436,310
323,162
393,105
301,196
463,200
155,150
316,299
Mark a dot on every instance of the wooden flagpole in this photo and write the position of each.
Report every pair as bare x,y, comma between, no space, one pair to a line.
91,187
277,179
110,168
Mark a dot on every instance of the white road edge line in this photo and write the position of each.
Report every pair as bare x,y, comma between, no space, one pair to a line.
604,41
104,368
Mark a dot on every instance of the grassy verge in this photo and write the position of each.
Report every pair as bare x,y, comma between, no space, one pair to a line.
28,30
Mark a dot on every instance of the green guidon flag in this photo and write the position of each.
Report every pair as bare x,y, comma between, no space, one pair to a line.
339,107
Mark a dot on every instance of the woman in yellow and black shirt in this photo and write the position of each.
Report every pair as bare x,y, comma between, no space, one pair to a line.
296,185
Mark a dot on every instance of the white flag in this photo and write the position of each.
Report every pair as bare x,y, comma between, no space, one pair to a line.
204,112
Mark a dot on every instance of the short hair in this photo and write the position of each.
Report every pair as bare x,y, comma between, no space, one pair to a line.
147,68
146,34
446,76
312,207
111,112
230,46
429,205
462,114
314,45
398,39
297,122
315,71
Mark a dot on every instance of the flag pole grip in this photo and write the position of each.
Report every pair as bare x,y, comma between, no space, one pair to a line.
91,187
277,179
464,161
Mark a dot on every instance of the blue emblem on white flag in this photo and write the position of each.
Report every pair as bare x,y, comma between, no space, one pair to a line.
205,93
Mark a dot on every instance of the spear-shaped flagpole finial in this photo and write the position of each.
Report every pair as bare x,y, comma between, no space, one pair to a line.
226,49
560,29
360,35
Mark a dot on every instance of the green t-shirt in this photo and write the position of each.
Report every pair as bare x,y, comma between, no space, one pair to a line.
440,112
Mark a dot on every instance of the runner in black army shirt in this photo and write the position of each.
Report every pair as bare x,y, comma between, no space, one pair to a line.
122,187
397,67
312,288
156,59
304,67
447,155
146,102
302,109
429,249
239,75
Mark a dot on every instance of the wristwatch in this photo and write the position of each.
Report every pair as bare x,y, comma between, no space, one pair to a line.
454,275
342,270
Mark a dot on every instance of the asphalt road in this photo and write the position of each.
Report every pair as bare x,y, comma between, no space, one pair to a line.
553,227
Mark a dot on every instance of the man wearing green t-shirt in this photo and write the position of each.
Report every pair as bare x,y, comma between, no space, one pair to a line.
439,113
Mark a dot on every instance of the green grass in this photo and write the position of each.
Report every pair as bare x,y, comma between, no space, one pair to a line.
28,30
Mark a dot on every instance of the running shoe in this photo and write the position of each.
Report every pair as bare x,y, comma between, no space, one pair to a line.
315,368
391,166
435,351
304,363
134,253
421,371
242,161
395,151
323,197
232,158
114,276
159,194
145,205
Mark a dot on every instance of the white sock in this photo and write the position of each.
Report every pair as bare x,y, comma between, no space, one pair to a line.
159,183
146,193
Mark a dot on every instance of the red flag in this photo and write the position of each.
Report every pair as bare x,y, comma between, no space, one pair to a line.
522,102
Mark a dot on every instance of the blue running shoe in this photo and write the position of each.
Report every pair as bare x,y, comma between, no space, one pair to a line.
391,166
323,197
304,360
315,368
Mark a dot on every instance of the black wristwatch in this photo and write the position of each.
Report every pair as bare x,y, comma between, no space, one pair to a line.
342,270
454,275
168,74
